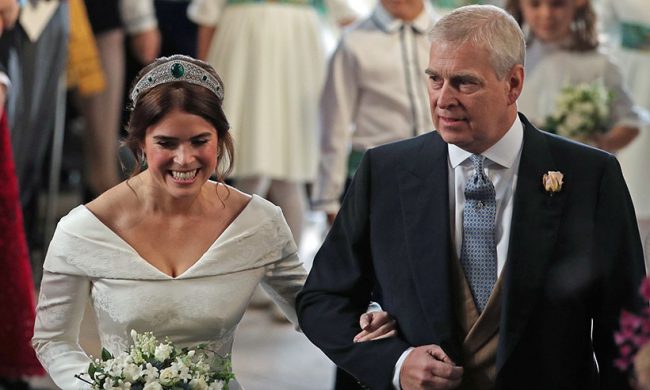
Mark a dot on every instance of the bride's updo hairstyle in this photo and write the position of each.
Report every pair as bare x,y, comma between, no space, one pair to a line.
178,83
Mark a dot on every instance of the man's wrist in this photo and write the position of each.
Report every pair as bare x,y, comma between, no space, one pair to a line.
398,369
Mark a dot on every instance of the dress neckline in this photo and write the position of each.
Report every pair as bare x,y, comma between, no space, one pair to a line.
194,265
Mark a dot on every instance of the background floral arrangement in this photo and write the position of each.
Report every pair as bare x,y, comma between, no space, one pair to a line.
581,111
152,365
632,341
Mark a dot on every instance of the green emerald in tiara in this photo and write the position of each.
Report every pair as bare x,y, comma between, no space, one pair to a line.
177,70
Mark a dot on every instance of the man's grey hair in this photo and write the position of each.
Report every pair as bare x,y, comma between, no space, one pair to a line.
484,26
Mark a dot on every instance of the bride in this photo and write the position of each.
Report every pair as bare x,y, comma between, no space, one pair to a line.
168,250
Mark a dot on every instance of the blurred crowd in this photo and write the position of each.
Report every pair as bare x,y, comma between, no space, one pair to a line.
302,112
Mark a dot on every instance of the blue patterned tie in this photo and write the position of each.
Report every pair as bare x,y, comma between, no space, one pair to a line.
478,254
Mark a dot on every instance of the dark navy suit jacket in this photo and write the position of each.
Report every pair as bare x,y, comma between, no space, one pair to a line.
573,258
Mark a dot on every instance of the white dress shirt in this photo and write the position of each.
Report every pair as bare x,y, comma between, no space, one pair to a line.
375,93
501,166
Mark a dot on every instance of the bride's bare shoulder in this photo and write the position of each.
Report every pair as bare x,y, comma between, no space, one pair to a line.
115,205
232,198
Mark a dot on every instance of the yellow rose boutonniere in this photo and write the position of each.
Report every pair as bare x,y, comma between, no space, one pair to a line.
552,181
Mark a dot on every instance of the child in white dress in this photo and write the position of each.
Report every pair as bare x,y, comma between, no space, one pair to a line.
562,50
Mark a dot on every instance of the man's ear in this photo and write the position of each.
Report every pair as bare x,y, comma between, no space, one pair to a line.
515,79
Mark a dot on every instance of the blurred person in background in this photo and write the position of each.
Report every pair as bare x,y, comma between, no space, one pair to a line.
375,93
158,28
40,37
178,33
562,45
102,111
17,358
275,76
113,22
627,25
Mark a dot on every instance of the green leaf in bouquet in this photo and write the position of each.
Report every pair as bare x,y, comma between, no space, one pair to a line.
106,355
92,369
224,372
158,365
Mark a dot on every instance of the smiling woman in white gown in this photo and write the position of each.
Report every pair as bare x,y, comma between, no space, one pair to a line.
167,251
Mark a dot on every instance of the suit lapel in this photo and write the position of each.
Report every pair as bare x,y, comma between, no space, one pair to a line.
424,196
535,222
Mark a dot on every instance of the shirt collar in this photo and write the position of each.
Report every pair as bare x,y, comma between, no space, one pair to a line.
388,23
504,152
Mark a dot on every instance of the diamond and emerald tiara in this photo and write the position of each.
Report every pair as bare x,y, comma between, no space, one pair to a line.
177,70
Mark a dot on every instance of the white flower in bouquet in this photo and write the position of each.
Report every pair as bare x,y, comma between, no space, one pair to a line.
216,386
132,372
150,373
163,351
198,384
168,376
152,365
182,370
146,343
118,386
581,111
152,386
116,366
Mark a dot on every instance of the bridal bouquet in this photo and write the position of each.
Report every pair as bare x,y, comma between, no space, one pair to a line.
154,365
581,111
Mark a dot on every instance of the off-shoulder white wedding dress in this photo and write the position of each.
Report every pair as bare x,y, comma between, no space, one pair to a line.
86,260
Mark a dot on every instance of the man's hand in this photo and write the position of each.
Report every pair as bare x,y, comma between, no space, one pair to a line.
375,325
146,45
429,367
